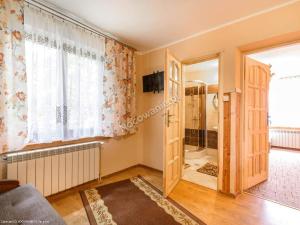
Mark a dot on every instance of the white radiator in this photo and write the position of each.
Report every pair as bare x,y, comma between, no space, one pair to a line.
285,138
56,169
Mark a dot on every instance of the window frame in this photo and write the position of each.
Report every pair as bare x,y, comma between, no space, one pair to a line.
37,146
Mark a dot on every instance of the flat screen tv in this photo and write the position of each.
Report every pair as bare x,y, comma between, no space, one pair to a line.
153,82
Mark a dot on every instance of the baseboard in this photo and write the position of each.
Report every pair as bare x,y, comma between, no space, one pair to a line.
285,148
120,171
149,167
128,168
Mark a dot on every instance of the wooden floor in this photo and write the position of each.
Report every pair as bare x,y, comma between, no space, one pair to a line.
211,207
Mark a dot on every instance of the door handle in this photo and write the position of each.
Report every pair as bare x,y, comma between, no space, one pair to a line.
167,114
168,118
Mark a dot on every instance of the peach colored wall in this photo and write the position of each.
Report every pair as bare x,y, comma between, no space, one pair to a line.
152,128
225,40
119,154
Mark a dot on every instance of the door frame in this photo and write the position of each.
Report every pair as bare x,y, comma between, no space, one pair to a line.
219,56
242,52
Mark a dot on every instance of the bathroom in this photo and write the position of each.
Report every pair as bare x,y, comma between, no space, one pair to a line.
201,123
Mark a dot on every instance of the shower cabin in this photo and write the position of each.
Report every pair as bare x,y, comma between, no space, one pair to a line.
195,115
201,124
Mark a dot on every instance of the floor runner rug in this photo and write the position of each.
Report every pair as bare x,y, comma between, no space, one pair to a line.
133,202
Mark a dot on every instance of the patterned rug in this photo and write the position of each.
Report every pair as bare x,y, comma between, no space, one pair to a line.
186,165
209,169
133,202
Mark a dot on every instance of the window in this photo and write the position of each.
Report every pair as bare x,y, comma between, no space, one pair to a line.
284,107
64,66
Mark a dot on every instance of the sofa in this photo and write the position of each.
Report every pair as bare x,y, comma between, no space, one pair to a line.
25,205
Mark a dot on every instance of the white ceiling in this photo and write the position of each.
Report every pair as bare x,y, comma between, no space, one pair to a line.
285,60
149,24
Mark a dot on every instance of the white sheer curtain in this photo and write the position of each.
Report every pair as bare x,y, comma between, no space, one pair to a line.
284,107
65,67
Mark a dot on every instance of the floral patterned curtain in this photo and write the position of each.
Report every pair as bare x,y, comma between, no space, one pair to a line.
119,82
13,107
119,87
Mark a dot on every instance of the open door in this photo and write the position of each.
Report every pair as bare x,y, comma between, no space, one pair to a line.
256,160
172,126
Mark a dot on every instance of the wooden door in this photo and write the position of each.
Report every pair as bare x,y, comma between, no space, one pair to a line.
256,161
172,126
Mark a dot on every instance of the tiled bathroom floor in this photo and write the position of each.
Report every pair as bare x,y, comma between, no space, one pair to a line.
190,173
283,185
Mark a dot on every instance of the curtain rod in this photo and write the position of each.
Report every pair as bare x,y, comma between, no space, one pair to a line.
62,16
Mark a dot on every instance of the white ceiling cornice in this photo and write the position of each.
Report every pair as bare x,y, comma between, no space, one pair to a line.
150,25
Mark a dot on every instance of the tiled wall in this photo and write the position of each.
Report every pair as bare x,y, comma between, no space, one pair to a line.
212,139
194,137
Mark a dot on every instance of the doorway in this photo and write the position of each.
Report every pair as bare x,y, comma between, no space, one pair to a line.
201,111
281,183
